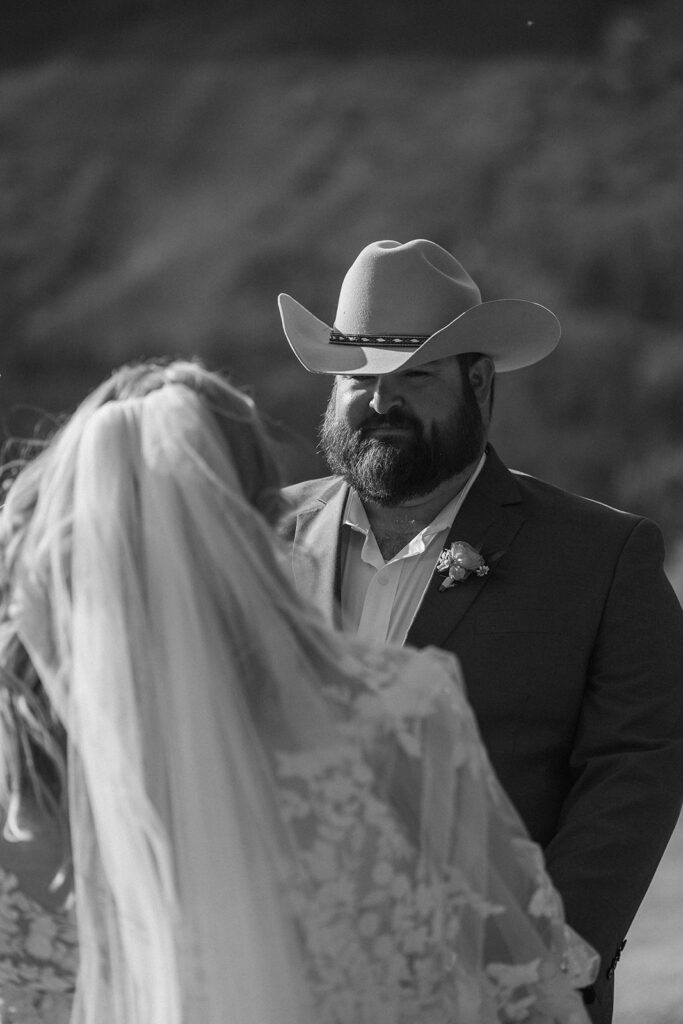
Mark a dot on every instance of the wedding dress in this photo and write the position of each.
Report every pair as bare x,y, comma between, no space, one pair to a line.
377,929
271,823
391,935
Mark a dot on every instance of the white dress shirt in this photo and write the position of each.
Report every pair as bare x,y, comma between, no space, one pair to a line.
379,599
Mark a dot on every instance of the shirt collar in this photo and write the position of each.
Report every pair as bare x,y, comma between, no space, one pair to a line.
354,513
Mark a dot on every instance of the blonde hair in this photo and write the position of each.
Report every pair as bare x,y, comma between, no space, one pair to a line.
32,739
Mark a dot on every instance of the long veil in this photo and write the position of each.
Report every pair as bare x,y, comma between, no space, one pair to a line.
144,638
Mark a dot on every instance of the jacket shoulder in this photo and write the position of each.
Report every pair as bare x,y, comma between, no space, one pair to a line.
307,493
305,496
548,502
562,503
591,529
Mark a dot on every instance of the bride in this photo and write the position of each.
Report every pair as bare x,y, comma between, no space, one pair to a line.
262,820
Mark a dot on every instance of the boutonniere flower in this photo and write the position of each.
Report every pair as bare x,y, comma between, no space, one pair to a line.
459,561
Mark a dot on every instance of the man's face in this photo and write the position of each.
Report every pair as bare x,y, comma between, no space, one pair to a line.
397,437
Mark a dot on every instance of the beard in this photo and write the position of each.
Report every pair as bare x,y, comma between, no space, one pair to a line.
391,471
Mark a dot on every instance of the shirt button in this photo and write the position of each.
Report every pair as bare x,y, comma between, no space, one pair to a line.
382,581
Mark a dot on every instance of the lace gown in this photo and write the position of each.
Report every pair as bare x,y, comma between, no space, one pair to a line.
38,958
471,934
474,934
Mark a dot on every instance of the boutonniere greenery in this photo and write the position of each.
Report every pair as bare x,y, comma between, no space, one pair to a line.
459,562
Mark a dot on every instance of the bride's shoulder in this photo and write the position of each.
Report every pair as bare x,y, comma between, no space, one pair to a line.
409,682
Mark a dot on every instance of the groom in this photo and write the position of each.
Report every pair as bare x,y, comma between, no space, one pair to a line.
569,634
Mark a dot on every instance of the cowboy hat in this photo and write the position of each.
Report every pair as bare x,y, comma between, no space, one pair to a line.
407,304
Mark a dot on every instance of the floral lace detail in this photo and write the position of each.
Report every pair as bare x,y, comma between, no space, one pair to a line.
386,933
370,927
38,959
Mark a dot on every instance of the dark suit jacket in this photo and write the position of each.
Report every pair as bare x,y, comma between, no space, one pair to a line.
572,650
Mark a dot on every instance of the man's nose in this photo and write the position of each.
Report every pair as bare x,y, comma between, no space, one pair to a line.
385,395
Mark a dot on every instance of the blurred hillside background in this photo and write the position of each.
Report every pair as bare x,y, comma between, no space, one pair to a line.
167,168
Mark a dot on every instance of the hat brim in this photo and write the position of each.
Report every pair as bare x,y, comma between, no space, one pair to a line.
513,332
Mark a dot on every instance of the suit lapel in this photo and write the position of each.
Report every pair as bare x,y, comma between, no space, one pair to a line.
316,551
488,520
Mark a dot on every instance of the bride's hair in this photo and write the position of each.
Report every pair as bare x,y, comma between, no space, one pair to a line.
32,739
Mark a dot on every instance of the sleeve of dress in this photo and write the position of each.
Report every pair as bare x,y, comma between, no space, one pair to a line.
506,917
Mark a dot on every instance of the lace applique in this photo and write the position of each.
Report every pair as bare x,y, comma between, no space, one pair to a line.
38,959
386,934
368,929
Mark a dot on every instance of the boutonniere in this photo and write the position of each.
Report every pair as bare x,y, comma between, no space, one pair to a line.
459,561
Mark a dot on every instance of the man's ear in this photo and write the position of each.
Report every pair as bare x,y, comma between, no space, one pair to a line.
482,374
